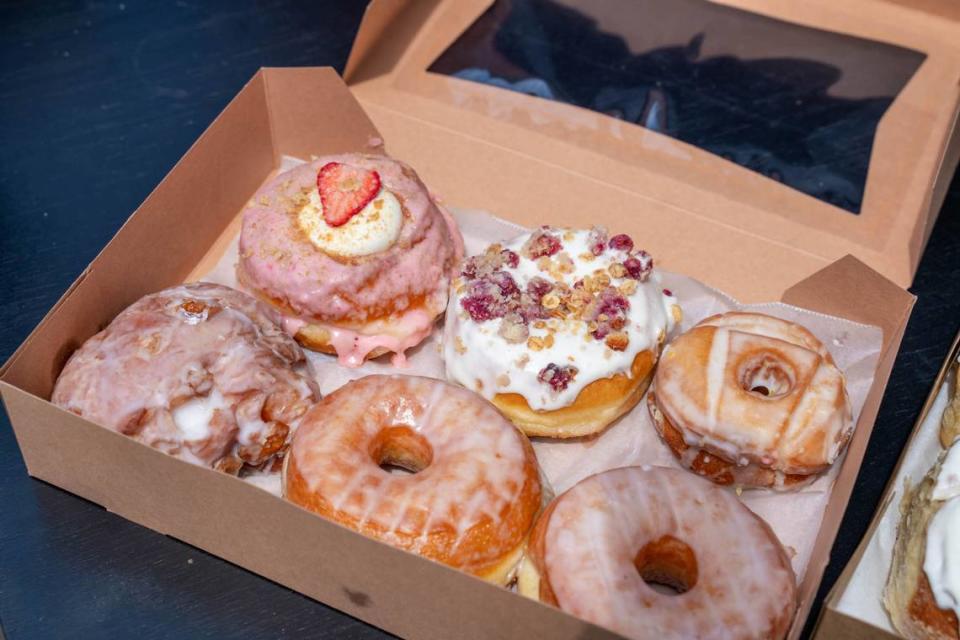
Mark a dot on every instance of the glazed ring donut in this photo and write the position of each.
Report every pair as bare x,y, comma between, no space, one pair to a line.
199,371
657,552
353,251
474,490
751,400
559,328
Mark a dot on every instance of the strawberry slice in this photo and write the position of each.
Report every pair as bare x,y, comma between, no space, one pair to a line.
345,190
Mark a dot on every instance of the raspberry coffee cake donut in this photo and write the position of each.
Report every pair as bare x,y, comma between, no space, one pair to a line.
199,371
651,552
354,252
751,400
471,489
923,589
559,328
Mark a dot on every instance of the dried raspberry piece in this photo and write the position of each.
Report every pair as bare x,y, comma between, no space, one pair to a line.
538,287
541,244
480,308
667,292
556,376
597,240
510,258
506,283
621,242
639,266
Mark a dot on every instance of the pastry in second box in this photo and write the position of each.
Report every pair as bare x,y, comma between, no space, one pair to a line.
923,588
354,252
559,328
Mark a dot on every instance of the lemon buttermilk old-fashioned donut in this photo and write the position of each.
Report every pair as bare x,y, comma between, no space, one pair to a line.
559,328
751,400
354,252
656,552
471,489
199,371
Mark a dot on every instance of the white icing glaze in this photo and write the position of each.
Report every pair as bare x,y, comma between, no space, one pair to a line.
948,479
373,230
193,416
941,561
478,468
477,357
597,528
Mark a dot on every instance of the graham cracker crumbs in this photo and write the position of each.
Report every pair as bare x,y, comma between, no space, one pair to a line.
458,346
618,340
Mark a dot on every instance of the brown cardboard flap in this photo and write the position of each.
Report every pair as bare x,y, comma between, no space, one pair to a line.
377,17
850,289
318,95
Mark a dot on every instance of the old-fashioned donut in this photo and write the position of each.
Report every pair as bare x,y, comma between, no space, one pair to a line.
751,400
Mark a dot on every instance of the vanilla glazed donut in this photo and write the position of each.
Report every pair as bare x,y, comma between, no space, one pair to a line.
559,328
656,552
750,400
472,488
199,371
354,252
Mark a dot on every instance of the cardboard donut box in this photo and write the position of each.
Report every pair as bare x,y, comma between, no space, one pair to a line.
481,147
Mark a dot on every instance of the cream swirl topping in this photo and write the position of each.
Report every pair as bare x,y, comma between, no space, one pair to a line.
375,229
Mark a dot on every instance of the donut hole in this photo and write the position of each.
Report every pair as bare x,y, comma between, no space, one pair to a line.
767,375
401,450
667,565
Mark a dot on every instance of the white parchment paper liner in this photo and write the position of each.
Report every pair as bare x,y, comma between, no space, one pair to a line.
795,517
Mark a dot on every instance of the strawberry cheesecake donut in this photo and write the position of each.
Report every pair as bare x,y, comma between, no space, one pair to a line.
656,552
559,328
421,465
199,371
354,252
750,400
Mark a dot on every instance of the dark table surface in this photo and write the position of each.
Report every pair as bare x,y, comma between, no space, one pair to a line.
98,101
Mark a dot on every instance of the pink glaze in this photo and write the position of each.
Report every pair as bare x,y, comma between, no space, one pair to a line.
344,294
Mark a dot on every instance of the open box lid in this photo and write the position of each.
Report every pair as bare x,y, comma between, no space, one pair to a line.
701,203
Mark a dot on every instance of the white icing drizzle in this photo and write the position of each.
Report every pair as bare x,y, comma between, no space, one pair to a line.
597,528
478,469
941,561
193,416
374,229
477,357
